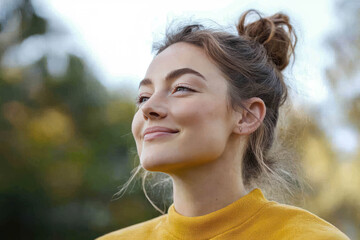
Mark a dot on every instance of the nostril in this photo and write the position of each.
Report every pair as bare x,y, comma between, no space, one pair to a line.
151,112
154,114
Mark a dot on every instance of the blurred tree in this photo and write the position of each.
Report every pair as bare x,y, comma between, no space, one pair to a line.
334,175
65,144
344,79
333,182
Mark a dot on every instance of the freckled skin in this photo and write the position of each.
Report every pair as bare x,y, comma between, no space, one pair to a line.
200,116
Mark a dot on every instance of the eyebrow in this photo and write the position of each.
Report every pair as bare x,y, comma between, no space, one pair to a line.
173,75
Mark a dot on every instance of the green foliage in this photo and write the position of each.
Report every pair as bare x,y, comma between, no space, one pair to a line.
65,147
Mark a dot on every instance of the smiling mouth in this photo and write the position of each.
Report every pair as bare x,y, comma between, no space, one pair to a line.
157,135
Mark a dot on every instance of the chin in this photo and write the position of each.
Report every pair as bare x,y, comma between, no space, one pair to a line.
169,165
156,167
156,164
163,164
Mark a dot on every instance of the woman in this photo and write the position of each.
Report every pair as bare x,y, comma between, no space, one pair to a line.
206,117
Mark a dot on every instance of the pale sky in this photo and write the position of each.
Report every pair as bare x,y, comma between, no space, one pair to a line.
117,36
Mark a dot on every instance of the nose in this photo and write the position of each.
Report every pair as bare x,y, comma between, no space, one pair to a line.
154,108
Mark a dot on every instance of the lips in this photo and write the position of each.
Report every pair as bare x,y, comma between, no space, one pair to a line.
159,130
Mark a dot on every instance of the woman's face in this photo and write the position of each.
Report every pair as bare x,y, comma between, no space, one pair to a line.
192,104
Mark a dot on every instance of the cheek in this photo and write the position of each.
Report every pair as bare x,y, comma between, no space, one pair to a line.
204,125
200,115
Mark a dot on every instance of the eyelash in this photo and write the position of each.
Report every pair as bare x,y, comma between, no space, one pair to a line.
140,98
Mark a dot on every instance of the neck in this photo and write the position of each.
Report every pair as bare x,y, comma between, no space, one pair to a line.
208,187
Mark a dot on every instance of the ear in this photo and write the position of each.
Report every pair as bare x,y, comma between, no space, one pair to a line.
247,122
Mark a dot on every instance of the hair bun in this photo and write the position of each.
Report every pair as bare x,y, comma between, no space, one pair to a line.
270,32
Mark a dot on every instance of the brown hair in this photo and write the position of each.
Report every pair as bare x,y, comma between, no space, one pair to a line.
251,62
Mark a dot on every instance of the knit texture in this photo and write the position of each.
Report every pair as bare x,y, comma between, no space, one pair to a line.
250,217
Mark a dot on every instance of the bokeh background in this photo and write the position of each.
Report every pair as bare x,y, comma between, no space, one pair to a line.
68,77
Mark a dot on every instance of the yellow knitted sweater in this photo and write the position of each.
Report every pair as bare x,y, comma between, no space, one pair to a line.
250,217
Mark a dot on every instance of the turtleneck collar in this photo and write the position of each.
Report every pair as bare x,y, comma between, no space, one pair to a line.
214,223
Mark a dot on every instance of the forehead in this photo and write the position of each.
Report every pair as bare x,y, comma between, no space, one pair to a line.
181,55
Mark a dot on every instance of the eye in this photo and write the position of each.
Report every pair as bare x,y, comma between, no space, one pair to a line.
182,87
178,88
139,100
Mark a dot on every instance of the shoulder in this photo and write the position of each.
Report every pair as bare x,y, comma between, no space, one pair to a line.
136,231
300,223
